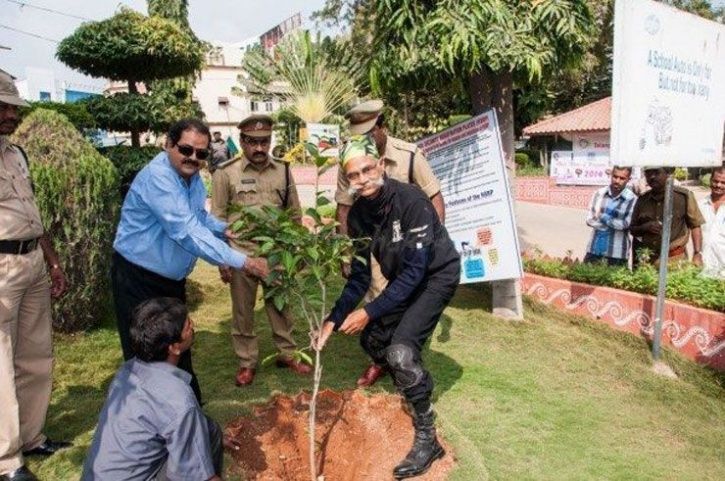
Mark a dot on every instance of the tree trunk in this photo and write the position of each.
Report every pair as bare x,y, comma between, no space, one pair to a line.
488,90
135,134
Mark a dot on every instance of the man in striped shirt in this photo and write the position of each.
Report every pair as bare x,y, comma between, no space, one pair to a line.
610,213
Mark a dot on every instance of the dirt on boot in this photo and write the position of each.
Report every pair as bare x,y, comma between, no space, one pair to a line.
359,438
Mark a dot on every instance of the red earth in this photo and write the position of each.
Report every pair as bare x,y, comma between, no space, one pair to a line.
359,437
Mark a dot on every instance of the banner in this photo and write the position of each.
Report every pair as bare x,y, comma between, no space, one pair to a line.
668,91
326,137
468,161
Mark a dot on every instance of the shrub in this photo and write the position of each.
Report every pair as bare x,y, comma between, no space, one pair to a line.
76,112
77,193
129,160
522,160
705,180
684,282
681,173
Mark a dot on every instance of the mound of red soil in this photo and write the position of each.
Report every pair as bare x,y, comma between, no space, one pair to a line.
358,437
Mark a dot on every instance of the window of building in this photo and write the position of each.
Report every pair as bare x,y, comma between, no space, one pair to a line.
44,96
268,105
254,105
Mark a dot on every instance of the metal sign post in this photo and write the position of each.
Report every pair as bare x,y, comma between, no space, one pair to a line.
664,257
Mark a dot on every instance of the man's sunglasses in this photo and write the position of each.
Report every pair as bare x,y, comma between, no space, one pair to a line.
254,141
188,150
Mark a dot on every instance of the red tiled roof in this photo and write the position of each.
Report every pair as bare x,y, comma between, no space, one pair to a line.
594,116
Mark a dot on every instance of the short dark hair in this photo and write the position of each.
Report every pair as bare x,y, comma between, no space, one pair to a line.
155,325
217,132
178,128
718,170
619,167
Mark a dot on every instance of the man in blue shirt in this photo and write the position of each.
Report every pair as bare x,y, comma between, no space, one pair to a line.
151,426
165,228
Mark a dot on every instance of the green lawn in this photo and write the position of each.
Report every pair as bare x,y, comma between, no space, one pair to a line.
551,398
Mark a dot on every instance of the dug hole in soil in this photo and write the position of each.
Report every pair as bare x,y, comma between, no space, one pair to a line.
359,437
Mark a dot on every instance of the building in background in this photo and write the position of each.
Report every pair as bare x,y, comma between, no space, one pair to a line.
42,84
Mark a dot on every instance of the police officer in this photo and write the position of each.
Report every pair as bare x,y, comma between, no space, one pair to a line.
26,259
404,162
418,257
254,178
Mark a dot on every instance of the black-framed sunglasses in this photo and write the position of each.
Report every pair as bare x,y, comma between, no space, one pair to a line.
188,150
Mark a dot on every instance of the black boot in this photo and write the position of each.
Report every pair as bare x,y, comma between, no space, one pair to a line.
425,450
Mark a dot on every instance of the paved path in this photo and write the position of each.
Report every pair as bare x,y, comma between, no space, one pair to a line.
554,230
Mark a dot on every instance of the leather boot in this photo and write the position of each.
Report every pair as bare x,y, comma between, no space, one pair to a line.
425,450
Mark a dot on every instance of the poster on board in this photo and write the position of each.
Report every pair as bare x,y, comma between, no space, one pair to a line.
668,86
468,161
326,137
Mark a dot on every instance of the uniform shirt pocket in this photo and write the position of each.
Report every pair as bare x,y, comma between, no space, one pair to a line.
6,186
247,192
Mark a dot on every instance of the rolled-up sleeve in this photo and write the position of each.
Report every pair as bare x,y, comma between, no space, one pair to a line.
186,228
187,441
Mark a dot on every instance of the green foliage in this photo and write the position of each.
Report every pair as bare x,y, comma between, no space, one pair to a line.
531,171
132,47
128,161
705,180
522,159
680,173
76,112
77,193
684,282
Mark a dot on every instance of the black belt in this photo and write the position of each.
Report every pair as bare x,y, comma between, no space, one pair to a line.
18,247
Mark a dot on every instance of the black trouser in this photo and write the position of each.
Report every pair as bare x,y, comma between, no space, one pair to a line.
131,286
397,340
217,450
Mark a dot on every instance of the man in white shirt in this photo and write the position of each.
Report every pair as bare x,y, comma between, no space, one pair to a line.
713,246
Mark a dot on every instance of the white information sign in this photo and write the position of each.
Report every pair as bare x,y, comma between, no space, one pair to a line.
326,137
468,160
668,90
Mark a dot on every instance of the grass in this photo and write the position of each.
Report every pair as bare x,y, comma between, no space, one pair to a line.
554,397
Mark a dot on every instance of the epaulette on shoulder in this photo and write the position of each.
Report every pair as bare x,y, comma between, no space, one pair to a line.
402,144
227,163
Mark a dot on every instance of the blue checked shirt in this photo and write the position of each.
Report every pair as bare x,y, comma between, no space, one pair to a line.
164,227
610,217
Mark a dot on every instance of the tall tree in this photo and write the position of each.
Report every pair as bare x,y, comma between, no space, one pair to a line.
133,48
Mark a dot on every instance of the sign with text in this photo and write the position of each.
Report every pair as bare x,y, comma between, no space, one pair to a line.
469,162
668,89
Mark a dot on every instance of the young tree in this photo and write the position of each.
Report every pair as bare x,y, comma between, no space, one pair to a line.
133,48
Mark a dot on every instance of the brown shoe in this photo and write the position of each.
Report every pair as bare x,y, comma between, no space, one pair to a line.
245,376
294,365
371,375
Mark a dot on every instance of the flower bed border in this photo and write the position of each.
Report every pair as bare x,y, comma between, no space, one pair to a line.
698,334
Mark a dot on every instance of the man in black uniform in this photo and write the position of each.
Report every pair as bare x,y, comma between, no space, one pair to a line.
422,265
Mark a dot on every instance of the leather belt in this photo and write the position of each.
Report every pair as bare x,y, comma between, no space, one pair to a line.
17,247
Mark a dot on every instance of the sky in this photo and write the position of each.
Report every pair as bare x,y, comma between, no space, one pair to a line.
212,20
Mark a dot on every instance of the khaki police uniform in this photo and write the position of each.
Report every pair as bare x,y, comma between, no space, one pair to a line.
26,356
240,182
404,161
686,215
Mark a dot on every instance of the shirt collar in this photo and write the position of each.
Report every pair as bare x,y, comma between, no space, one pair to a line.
161,367
609,192
164,156
246,163
4,143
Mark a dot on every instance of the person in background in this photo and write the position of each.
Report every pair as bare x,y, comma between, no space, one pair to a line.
646,225
609,215
254,178
713,231
219,152
27,259
151,426
404,162
164,229
423,267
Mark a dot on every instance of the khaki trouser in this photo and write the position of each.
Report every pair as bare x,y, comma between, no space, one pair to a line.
244,340
26,355
378,282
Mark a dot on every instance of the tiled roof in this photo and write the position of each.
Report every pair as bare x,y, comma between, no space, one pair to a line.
594,116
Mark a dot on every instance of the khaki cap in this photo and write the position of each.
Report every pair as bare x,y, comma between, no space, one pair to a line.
363,116
256,125
9,92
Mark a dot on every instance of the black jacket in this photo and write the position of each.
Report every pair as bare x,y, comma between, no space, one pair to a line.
410,244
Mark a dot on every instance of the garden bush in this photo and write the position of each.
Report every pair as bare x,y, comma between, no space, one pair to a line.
522,160
129,160
76,112
76,189
684,282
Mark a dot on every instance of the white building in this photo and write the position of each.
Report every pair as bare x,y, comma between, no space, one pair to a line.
42,84
224,95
